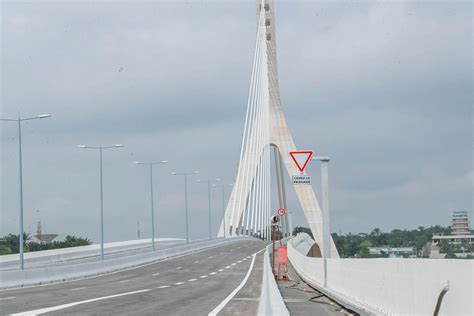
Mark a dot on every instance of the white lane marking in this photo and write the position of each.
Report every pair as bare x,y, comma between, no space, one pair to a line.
212,273
120,271
233,264
228,267
6,298
78,288
155,274
210,257
179,283
220,270
239,261
203,276
192,280
163,287
123,281
237,289
63,306
197,261
179,268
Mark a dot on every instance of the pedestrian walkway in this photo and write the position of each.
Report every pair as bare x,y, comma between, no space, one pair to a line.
301,299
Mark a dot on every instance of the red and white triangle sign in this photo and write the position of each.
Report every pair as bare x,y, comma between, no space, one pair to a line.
301,158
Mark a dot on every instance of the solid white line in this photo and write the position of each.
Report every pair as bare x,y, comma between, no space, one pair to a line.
163,287
123,281
155,274
179,283
6,298
77,288
55,308
232,294
192,280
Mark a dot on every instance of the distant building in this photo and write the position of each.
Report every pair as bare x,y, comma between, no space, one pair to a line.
391,251
460,223
44,238
454,239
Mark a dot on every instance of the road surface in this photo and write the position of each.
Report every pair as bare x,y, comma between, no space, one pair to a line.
194,284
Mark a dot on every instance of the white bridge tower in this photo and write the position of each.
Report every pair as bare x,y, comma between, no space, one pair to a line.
249,209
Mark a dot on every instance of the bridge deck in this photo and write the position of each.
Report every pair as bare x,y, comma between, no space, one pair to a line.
189,285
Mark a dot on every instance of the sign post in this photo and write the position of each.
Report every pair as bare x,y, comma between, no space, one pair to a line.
274,221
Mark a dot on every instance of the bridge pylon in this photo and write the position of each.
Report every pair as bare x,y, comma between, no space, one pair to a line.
265,131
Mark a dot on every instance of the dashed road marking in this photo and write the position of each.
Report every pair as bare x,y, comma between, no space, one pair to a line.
155,274
239,261
163,287
220,270
233,264
197,261
228,267
203,276
123,281
179,283
78,288
212,273
219,307
178,268
6,298
192,280
210,257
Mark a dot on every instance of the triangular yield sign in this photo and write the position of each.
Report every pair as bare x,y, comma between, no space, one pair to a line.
301,158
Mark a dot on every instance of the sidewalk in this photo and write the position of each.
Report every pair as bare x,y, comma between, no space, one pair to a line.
301,299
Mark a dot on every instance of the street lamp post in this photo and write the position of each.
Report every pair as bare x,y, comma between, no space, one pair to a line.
101,148
150,164
325,205
223,204
185,174
20,158
209,202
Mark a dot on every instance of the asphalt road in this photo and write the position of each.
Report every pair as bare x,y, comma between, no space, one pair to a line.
193,284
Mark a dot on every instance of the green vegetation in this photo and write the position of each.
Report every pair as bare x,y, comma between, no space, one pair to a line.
358,245
10,244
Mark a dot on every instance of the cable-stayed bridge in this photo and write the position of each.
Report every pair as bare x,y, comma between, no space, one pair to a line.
232,274
265,133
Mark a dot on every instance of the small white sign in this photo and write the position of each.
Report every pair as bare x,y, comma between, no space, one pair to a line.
301,179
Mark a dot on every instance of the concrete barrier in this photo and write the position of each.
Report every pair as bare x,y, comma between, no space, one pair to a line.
390,286
271,302
18,278
73,253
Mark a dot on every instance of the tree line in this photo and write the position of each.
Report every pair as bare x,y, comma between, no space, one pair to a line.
10,243
357,245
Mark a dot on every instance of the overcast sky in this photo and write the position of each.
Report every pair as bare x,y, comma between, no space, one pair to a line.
384,88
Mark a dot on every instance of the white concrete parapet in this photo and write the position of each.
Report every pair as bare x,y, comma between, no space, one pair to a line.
271,302
392,286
